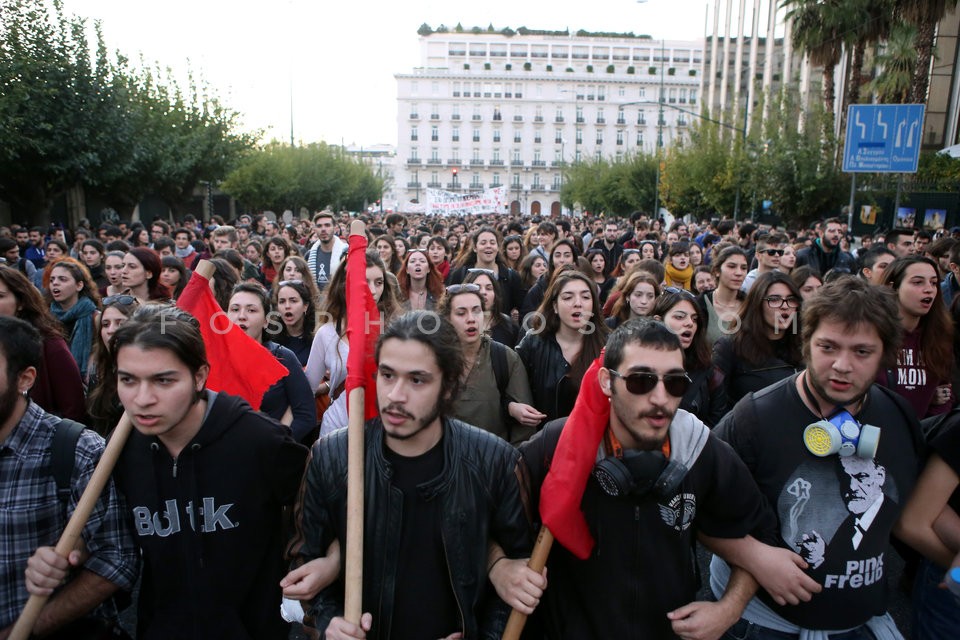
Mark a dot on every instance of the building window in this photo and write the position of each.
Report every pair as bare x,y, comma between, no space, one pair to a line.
559,114
516,135
516,180
639,139
643,92
620,137
476,134
556,182
516,155
579,136
496,156
600,118
496,135
537,136
476,156
579,114
434,134
641,117
456,112
621,91
434,112
558,136
496,180
414,134
435,155
456,134
414,154
536,180
539,113
599,137
693,96
414,88
577,156
456,89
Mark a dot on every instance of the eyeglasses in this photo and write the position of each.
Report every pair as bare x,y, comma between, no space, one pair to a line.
454,289
773,252
629,252
486,272
286,283
644,382
777,302
120,298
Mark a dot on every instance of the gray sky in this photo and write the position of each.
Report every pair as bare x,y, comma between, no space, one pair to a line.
339,56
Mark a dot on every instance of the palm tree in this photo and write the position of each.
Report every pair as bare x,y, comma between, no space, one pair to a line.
925,14
870,22
818,30
896,63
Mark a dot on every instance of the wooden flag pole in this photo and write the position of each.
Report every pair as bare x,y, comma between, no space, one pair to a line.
353,588
71,534
538,560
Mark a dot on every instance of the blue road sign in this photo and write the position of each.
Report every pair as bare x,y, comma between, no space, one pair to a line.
883,138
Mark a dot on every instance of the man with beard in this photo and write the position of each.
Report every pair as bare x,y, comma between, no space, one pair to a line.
660,481
437,491
323,258
825,254
34,512
835,491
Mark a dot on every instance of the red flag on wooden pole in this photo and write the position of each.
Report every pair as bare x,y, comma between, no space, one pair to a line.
572,465
239,365
363,327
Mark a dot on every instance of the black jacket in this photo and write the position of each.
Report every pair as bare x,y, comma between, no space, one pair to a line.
482,500
546,367
706,397
217,578
738,377
821,262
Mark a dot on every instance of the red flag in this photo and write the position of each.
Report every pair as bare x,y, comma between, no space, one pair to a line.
572,465
239,365
363,327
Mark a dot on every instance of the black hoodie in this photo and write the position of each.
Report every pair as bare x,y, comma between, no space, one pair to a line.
221,578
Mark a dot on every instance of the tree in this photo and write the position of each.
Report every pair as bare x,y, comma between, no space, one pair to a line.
896,63
313,176
818,30
924,14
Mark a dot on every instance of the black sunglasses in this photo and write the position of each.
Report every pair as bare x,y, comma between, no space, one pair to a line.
120,298
773,252
644,382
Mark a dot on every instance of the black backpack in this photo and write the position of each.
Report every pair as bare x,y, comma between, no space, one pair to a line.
62,454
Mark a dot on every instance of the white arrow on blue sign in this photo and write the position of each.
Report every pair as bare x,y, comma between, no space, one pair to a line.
883,138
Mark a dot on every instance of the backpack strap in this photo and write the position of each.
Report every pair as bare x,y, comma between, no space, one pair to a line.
498,359
62,455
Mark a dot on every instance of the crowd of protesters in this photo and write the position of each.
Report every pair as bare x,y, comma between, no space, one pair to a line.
532,303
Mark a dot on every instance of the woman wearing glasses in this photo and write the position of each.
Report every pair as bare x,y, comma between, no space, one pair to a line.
486,255
766,346
679,311
103,404
567,335
495,393
59,387
327,365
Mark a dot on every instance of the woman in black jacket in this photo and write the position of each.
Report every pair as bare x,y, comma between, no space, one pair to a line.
766,348
679,311
567,337
563,252
486,243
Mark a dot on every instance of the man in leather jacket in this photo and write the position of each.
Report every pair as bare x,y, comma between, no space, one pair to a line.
437,492
825,253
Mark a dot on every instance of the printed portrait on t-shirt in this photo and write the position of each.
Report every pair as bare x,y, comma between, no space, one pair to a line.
827,511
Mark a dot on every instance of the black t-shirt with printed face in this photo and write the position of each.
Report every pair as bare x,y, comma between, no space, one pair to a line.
323,268
424,603
837,513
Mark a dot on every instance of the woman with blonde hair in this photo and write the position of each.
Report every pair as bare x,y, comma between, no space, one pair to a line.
637,293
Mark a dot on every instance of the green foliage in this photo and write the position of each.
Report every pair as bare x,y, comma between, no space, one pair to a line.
610,68
425,29
589,68
616,188
314,176
938,171
897,61
671,71
527,66
631,70
71,115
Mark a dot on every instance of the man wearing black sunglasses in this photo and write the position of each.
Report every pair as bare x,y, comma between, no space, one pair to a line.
769,251
660,480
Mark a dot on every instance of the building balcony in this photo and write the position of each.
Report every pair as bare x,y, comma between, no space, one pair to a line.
601,121
538,118
580,120
414,161
476,163
434,116
496,163
518,118
476,116
494,185
413,185
539,163
414,116
558,119
455,116
435,185
453,162
516,163
538,188
556,163
453,185
434,161
621,121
